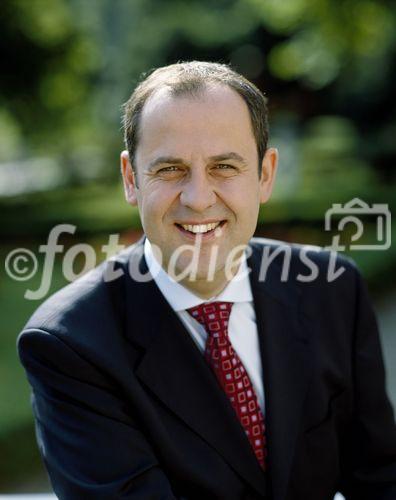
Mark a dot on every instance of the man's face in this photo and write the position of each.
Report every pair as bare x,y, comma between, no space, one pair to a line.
197,176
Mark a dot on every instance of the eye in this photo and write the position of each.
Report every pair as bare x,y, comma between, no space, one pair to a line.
170,168
224,166
225,170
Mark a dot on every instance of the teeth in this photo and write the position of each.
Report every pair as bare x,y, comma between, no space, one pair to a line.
200,228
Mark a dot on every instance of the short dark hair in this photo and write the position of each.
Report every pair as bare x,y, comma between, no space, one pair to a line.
190,78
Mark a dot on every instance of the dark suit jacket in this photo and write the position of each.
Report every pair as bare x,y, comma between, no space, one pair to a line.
126,407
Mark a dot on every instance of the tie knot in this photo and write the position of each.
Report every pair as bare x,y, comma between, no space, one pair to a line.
213,316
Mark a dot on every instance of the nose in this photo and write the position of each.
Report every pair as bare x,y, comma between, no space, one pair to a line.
198,193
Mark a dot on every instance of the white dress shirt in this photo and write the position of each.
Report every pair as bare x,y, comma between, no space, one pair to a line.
242,328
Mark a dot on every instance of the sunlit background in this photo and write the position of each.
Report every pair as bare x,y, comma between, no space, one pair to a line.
328,68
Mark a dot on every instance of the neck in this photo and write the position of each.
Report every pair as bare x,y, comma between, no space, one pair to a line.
206,289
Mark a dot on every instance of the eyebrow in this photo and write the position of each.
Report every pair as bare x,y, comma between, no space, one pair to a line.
161,160
228,156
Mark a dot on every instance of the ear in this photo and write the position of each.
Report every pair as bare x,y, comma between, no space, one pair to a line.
128,178
268,173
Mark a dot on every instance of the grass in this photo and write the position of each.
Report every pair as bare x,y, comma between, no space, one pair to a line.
93,209
14,311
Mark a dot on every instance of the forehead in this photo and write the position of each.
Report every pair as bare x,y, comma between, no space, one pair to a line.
214,118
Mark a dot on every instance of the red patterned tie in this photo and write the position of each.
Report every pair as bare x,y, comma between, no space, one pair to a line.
231,373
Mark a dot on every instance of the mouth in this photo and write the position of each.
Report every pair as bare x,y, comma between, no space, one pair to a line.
204,230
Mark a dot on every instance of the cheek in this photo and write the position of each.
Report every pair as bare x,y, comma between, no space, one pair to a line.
155,203
242,199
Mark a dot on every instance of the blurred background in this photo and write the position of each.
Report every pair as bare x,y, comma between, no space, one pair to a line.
328,68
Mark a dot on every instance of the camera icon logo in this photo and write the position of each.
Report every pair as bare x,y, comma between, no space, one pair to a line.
352,212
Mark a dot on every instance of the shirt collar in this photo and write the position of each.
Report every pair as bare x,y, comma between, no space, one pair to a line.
180,298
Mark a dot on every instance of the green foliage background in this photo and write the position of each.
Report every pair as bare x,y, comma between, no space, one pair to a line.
329,69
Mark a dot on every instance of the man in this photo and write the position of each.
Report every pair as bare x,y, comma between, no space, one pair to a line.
190,367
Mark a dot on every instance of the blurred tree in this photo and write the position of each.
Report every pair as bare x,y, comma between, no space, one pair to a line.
69,64
46,65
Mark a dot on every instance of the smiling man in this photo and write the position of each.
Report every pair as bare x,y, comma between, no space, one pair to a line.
198,173
209,374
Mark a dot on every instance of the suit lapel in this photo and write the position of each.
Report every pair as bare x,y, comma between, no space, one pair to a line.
173,368
286,365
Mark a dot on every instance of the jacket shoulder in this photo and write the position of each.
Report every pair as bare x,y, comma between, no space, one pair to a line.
301,257
88,306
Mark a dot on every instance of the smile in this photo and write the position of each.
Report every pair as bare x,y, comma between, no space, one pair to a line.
204,229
